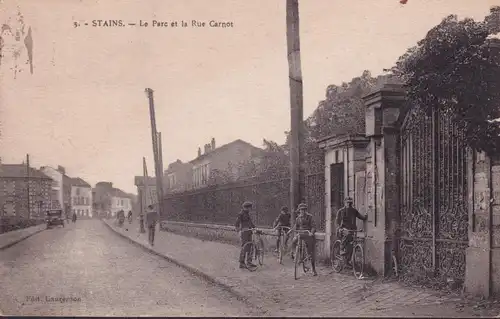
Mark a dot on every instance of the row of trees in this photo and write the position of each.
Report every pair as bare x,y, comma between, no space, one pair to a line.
456,67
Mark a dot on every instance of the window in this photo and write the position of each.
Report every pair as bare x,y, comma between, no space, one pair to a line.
77,191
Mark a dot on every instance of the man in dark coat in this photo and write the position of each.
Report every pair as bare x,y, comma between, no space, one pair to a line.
151,220
244,225
283,220
346,224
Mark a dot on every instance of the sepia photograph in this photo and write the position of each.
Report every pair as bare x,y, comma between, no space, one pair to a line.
231,158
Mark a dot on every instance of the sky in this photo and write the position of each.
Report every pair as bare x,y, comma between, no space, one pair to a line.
84,106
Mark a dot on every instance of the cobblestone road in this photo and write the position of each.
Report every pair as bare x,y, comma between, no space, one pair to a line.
330,294
105,275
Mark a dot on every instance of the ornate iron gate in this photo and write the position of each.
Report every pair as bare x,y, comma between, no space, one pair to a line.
434,217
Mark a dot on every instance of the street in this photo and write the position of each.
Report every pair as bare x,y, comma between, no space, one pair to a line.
86,269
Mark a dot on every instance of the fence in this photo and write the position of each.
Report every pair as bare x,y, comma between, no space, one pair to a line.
220,204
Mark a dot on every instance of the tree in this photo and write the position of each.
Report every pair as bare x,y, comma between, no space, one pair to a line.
456,68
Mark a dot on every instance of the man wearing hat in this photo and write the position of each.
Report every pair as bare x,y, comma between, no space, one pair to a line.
304,221
346,219
243,225
151,220
283,220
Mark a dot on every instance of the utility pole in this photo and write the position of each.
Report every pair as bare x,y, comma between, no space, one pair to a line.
144,196
154,136
160,160
296,105
28,184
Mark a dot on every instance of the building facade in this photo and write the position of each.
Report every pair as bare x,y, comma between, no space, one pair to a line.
107,200
225,159
101,199
16,186
81,198
178,177
120,201
57,176
145,198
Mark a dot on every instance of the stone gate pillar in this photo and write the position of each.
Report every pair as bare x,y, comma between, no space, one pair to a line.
383,109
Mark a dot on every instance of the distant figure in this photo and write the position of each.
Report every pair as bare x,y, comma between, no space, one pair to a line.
151,220
129,217
74,217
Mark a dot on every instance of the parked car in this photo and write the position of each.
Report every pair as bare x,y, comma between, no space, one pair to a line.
54,218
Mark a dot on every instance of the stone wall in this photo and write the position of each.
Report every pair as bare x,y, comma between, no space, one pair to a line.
227,234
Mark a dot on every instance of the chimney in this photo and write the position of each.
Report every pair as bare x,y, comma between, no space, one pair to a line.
199,151
61,169
213,143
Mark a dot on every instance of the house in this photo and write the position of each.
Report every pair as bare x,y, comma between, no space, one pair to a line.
107,200
225,158
14,189
101,199
120,201
178,177
81,198
58,189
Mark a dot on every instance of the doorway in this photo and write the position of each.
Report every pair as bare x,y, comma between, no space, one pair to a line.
336,191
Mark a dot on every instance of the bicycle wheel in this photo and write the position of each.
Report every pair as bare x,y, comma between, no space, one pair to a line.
298,258
395,266
336,258
259,252
250,250
358,261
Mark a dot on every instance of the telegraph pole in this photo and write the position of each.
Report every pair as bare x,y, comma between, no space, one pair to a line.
296,104
28,184
160,160
154,136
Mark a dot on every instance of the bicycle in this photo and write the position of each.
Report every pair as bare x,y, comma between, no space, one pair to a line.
357,257
301,254
254,249
282,248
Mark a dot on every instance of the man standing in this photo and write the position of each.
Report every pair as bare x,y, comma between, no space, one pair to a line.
304,221
346,220
244,225
151,220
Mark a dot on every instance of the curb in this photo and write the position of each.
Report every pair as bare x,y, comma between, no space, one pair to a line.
191,269
18,241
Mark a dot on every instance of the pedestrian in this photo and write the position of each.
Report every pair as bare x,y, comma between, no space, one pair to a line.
244,226
151,220
129,217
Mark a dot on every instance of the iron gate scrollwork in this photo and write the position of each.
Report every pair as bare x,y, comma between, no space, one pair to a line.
434,217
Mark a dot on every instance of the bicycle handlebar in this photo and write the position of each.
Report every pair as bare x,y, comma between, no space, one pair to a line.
301,231
282,227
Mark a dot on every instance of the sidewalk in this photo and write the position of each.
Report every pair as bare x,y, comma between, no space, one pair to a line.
13,237
273,287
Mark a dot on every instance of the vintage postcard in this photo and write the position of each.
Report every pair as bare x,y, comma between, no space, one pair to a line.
310,158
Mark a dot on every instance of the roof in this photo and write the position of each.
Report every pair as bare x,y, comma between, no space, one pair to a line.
225,147
77,181
116,192
19,170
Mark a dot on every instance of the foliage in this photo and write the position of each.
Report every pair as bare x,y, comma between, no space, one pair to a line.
456,67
